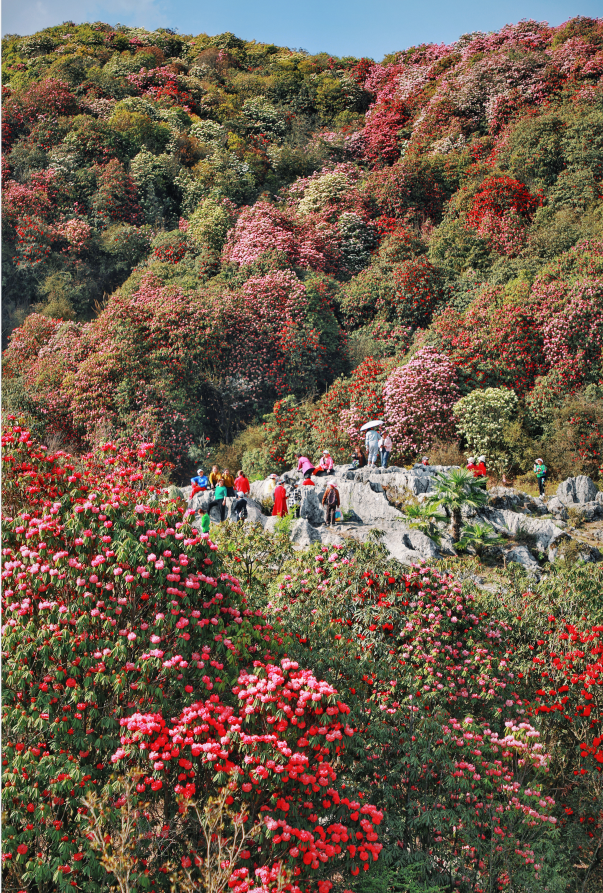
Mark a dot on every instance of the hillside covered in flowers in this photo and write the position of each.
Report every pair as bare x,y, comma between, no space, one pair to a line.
197,227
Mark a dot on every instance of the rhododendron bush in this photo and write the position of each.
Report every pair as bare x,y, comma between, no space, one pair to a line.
126,646
445,732
419,399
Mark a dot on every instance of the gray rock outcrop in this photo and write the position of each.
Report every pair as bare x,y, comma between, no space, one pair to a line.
303,534
577,490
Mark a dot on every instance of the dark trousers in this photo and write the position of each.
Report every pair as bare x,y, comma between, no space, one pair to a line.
222,504
331,511
308,474
541,483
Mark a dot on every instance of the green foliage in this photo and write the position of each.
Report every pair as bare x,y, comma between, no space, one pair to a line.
456,490
481,418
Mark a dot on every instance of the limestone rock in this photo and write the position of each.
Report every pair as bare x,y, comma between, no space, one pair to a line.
542,531
522,555
310,507
303,534
579,490
270,523
557,508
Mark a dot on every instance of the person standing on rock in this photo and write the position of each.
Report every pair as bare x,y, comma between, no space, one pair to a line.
305,466
242,483
219,498
540,471
280,501
332,502
385,448
372,446
240,507
471,466
205,522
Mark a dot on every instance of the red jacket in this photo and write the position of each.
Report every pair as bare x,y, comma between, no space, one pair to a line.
280,502
242,484
480,471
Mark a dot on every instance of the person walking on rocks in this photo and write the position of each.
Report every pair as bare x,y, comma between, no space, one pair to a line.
280,500
385,448
372,446
332,502
540,471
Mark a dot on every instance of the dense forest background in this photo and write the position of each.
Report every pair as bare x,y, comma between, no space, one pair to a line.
197,227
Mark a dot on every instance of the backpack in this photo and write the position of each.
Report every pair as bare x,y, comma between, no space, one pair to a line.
332,497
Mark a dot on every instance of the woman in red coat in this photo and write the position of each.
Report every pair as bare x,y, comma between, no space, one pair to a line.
280,500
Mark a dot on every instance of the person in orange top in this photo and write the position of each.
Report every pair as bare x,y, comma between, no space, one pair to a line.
241,483
213,477
228,482
280,500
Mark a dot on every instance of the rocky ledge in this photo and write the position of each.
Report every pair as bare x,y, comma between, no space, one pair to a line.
371,501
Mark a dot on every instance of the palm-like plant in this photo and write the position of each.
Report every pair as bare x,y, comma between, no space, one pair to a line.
425,517
455,490
480,536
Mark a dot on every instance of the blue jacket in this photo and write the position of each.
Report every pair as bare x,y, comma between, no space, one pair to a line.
200,481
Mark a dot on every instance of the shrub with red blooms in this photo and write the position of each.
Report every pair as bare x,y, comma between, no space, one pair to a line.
116,617
492,344
418,400
117,196
419,288
384,120
408,189
501,211
444,735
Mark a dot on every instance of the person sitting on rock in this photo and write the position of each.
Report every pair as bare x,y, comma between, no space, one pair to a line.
325,466
305,466
200,482
213,476
540,471
242,483
219,498
358,458
332,502
228,482
240,507
280,501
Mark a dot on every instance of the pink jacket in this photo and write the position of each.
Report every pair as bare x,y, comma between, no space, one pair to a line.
304,464
327,463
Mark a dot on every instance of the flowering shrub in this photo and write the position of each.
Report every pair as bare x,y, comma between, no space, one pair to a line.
481,418
116,612
418,400
441,711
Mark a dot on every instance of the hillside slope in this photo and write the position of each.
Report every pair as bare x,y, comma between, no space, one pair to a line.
270,225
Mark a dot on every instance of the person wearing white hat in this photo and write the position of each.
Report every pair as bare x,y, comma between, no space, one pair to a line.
480,468
540,471
325,466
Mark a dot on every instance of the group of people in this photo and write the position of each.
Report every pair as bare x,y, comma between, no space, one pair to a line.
378,443
477,466
222,484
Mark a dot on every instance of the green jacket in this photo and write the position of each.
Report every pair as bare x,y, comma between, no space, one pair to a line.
205,523
220,493
540,470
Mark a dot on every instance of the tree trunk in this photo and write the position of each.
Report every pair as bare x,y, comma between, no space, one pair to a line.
455,525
